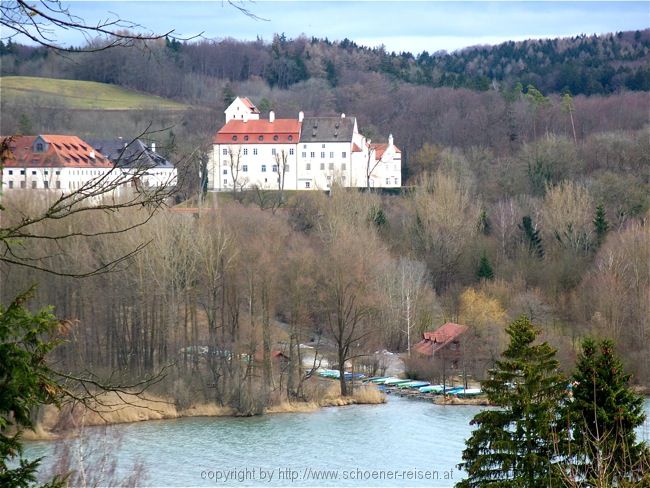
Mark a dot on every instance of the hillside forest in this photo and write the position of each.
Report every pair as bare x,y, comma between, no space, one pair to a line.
528,175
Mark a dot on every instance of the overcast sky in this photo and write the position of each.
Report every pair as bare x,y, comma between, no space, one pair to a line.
400,26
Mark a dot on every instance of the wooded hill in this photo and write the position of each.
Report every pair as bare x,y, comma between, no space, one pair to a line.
580,65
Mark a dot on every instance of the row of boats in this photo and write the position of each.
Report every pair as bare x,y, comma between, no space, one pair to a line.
391,382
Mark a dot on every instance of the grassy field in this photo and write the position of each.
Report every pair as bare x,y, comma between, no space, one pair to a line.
73,94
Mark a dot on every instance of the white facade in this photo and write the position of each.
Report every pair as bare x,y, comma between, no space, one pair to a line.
239,159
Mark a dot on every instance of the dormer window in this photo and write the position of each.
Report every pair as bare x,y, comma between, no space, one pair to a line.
260,138
290,137
245,138
275,137
39,147
234,138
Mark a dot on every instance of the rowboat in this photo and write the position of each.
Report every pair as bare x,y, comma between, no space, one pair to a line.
437,389
470,392
395,381
414,384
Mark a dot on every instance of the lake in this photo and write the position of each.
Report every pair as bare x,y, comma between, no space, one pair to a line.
403,442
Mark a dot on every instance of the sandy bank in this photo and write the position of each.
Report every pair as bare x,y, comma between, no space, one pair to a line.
110,408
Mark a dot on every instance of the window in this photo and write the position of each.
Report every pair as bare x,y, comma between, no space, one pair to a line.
304,154
255,152
308,167
225,152
33,172
395,180
275,138
46,171
11,171
343,166
58,184
11,184
344,154
57,172
245,151
245,138
234,138
39,147
264,168
322,154
307,184
22,184
322,166
290,137
331,166
244,168
312,154
260,137
273,152
33,184
225,171
323,146
304,146
225,182
46,184
329,177
274,168
290,151
388,181
286,168
343,178
331,154
22,171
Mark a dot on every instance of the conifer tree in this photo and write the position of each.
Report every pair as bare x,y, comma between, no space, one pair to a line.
485,271
601,226
515,445
603,415
532,236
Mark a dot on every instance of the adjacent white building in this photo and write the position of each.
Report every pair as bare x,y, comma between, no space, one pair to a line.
64,164
307,153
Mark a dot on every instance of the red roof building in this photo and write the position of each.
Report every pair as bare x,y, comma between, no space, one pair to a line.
446,336
278,131
53,151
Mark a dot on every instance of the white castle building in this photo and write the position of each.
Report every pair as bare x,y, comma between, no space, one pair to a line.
307,153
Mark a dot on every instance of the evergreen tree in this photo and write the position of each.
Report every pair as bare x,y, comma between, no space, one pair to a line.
603,415
532,235
484,225
26,381
485,271
601,225
515,445
228,95
25,125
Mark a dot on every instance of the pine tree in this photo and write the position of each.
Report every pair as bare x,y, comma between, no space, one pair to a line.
532,235
485,269
484,225
603,415
516,444
601,226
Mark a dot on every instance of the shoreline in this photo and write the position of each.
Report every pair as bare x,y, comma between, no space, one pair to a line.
54,424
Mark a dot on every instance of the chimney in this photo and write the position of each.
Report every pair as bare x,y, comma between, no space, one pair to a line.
153,147
390,140
271,116
301,116
91,154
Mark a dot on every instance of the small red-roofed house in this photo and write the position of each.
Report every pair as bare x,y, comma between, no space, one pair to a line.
445,340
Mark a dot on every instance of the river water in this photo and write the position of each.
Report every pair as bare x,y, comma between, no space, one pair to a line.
403,442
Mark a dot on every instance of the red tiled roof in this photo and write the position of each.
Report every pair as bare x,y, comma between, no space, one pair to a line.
381,148
434,341
280,131
61,152
250,105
